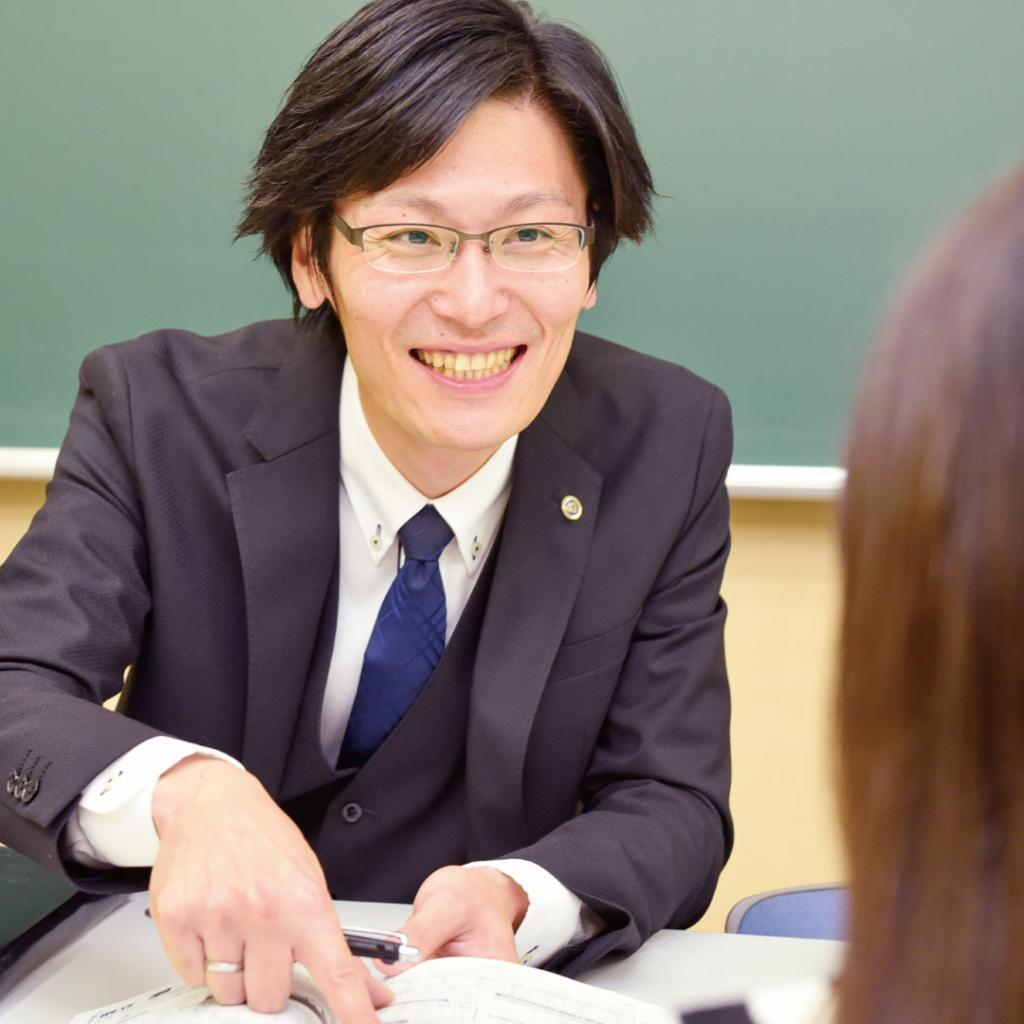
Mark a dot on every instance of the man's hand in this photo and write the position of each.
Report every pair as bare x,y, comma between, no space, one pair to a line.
461,911
236,881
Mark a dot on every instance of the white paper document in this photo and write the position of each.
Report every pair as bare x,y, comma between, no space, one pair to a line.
456,990
180,1003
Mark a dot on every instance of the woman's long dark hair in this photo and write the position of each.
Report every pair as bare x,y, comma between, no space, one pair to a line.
931,684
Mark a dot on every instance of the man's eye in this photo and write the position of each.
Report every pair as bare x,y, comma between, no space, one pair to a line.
531,234
413,238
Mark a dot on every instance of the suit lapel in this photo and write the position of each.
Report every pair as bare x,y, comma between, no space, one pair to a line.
285,511
541,560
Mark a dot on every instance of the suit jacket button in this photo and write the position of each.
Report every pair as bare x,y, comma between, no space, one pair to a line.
28,791
13,782
351,813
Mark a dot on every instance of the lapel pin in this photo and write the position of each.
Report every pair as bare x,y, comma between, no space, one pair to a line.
572,507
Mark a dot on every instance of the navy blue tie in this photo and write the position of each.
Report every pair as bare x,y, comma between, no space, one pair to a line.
407,639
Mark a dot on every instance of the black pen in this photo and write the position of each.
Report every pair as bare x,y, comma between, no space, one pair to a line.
389,947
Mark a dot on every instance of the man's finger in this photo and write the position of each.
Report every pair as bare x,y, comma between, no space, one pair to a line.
184,950
227,987
268,974
347,986
434,923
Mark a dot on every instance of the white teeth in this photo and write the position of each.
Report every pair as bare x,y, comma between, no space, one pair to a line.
465,365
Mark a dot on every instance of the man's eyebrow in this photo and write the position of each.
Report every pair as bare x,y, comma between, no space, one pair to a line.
407,200
541,197
440,213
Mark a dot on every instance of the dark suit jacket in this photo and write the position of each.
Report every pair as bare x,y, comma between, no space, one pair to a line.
191,530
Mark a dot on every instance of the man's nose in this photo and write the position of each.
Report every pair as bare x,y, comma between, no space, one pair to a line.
469,289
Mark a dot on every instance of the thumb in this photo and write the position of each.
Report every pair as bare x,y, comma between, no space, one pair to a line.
433,924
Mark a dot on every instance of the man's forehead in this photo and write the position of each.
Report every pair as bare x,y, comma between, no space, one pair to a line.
403,200
507,157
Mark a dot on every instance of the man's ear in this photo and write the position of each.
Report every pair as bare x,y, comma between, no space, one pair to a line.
591,297
309,282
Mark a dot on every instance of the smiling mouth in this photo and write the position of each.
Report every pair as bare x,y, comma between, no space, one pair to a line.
465,365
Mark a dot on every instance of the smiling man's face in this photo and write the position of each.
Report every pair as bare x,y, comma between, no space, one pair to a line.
509,163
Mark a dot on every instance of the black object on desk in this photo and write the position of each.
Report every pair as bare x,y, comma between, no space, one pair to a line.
40,913
387,946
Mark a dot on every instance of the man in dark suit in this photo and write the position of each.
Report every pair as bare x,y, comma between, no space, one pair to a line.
485,673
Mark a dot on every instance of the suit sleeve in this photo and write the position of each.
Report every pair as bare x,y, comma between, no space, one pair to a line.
74,601
655,829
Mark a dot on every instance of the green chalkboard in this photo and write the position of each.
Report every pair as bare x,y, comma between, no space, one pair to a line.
803,148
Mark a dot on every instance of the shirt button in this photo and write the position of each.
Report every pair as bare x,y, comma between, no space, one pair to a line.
351,813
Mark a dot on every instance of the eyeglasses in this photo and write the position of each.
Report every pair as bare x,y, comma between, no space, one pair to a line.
420,248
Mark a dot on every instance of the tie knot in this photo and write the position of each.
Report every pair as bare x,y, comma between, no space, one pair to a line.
425,536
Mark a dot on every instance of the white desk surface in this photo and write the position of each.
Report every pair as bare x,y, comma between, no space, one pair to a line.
122,956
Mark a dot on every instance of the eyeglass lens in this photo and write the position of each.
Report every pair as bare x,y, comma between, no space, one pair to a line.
414,248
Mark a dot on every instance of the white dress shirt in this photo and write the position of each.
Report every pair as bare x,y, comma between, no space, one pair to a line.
113,824
376,501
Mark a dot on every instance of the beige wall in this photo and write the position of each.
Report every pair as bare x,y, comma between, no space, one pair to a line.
782,589
19,500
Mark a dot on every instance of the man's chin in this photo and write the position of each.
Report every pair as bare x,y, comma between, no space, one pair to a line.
479,426
469,443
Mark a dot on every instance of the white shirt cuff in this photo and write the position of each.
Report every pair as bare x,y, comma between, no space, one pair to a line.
555,918
112,826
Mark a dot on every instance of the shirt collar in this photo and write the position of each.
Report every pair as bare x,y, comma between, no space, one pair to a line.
383,500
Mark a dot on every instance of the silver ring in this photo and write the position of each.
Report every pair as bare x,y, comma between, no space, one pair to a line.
224,966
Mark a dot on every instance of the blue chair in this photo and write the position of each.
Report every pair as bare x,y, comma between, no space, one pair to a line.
803,912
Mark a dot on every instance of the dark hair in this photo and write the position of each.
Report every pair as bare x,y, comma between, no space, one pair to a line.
385,91
931,682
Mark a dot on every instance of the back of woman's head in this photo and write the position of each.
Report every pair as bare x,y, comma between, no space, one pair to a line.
931,685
